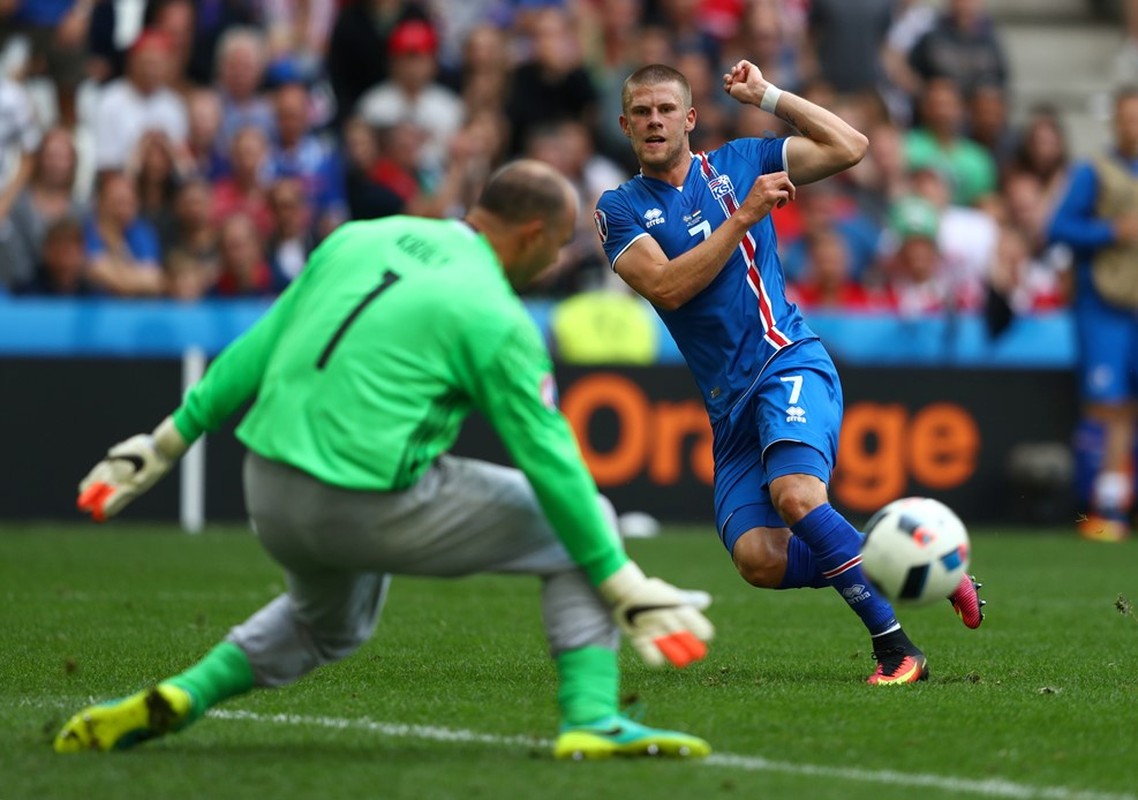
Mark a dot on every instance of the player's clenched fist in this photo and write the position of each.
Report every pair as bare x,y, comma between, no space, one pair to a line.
662,622
745,83
773,190
129,469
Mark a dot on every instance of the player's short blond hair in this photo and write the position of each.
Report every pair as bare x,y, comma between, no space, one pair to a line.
652,75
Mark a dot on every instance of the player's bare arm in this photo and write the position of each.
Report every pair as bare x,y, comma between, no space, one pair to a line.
827,145
668,284
1125,228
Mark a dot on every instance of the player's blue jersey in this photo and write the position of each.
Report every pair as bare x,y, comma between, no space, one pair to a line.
730,330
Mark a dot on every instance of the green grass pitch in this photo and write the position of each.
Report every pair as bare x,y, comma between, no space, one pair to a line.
454,696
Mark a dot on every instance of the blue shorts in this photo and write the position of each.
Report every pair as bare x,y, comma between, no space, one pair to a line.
798,401
1108,350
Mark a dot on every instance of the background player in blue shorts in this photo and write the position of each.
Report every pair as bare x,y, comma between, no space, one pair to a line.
693,235
1098,219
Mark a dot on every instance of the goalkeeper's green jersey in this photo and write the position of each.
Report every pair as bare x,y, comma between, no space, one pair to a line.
366,366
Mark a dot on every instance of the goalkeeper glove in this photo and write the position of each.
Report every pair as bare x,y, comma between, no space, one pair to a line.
130,468
661,621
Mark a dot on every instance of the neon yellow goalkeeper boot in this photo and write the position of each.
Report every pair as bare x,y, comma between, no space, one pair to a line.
121,724
619,736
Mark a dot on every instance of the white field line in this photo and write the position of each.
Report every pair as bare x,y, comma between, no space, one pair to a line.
992,787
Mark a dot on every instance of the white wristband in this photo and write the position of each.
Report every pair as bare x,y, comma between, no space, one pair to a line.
770,98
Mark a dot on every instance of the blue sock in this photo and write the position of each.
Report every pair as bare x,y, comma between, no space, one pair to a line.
835,545
802,571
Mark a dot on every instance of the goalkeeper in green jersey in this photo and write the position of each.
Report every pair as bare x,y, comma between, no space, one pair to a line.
362,373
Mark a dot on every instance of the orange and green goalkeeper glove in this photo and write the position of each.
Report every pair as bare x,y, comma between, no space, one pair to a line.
129,469
661,621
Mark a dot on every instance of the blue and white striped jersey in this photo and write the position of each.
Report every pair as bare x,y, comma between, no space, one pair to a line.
730,330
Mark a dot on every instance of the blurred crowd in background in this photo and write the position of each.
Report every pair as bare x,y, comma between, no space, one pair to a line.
203,149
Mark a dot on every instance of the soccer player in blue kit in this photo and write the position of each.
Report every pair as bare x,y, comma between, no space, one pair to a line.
692,234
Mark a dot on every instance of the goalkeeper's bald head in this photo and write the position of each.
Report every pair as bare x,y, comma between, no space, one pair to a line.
527,211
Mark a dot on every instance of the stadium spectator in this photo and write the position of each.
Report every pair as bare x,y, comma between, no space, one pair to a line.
241,62
397,167
1027,208
61,271
106,52
580,266
191,254
411,94
471,153
1126,60
828,281
654,46
456,21
213,19
916,281
157,174
1098,219
475,151
553,83
47,197
298,152
611,45
1018,283
291,238
123,252
297,31
1028,212
19,136
963,46
368,197
912,19
882,176
591,173
846,41
691,234
339,504
824,206
243,190
358,56
203,107
58,33
485,73
176,19
140,101
966,237
1044,152
767,37
686,27
938,142
242,268
194,27
989,124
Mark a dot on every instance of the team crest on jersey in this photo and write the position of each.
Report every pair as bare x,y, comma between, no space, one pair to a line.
602,223
653,216
549,391
720,186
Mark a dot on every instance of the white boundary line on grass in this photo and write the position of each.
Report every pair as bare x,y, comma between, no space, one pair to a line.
992,787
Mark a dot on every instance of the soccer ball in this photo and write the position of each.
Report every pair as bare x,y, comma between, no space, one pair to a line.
916,550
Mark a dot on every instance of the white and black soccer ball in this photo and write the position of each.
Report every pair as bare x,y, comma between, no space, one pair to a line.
916,550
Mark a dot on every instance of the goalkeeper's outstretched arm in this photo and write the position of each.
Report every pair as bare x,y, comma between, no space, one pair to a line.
663,623
132,466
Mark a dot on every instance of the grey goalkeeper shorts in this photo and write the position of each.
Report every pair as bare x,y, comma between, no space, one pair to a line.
339,547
